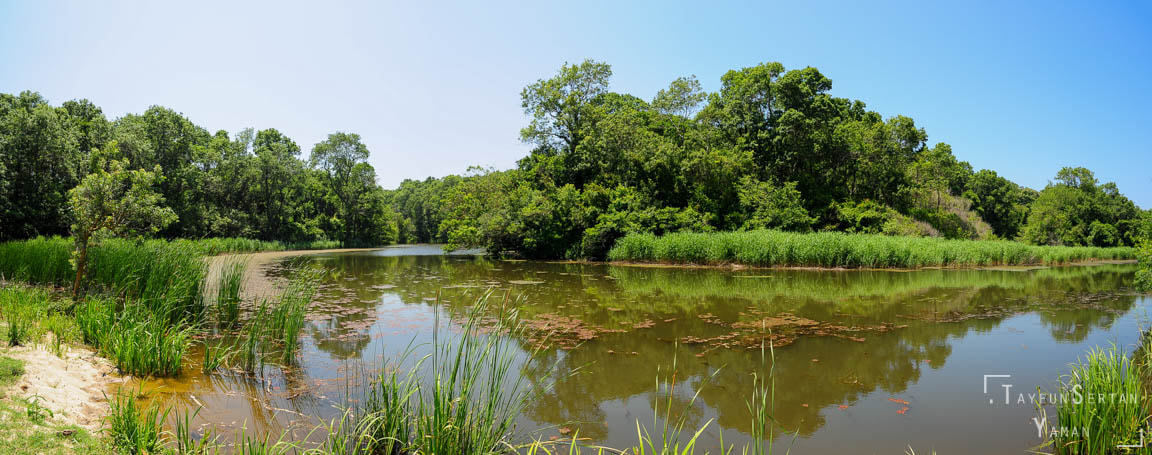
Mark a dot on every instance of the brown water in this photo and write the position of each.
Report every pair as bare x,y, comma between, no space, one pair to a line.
865,361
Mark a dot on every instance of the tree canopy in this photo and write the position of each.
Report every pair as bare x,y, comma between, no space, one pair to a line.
771,148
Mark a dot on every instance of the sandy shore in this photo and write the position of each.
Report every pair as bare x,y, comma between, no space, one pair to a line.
72,388
257,283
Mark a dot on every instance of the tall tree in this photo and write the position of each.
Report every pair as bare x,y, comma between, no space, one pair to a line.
561,107
338,157
113,201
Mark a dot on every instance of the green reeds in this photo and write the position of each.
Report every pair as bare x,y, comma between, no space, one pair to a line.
134,430
286,318
216,357
462,398
835,249
136,341
228,292
39,260
21,308
670,439
1102,404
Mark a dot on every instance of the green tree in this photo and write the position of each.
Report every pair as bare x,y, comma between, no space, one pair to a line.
561,107
113,201
338,157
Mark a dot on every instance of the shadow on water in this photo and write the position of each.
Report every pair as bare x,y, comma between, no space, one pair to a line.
853,346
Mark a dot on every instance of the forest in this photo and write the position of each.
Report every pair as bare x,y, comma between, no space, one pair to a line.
771,149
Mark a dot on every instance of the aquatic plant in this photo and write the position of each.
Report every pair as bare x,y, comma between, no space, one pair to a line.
38,260
215,357
834,249
133,429
136,341
228,292
1102,404
286,318
468,406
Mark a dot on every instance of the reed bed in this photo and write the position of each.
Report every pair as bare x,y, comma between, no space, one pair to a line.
137,341
22,308
766,248
462,398
228,292
1103,404
135,429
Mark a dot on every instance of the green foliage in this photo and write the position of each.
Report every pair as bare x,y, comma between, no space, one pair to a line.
834,249
133,427
769,206
228,292
1076,210
1103,398
22,308
1144,258
10,370
138,342
113,201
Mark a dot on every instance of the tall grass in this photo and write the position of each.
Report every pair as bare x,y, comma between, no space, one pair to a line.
834,249
228,292
38,260
462,398
21,309
286,318
1104,401
132,428
136,341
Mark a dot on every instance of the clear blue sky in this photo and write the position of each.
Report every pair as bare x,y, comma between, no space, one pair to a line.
1023,88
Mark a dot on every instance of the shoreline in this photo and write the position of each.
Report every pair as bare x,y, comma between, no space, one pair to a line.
75,388
738,266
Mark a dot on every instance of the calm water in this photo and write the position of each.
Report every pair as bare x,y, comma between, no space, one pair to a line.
866,361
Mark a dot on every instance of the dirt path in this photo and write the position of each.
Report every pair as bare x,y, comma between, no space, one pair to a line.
72,387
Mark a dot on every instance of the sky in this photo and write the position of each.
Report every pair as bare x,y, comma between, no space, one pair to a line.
1023,88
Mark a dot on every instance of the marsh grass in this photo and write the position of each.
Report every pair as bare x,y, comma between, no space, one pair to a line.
22,307
228,292
461,398
286,317
132,428
1104,399
217,356
766,248
673,430
136,341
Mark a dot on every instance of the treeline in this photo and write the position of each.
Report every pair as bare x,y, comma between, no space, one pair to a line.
771,149
255,184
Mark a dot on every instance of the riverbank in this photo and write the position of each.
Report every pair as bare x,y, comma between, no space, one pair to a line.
832,250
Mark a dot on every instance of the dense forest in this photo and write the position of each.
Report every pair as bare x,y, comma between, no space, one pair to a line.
771,149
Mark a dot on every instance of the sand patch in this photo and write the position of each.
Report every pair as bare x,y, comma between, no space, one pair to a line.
72,388
257,281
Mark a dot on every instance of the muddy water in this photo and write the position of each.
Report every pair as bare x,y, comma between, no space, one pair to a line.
865,361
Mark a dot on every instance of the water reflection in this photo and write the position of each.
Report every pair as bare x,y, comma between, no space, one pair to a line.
857,338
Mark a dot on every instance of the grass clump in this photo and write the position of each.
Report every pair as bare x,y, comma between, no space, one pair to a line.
462,398
22,308
136,341
228,292
1103,399
10,370
766,248
132,428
